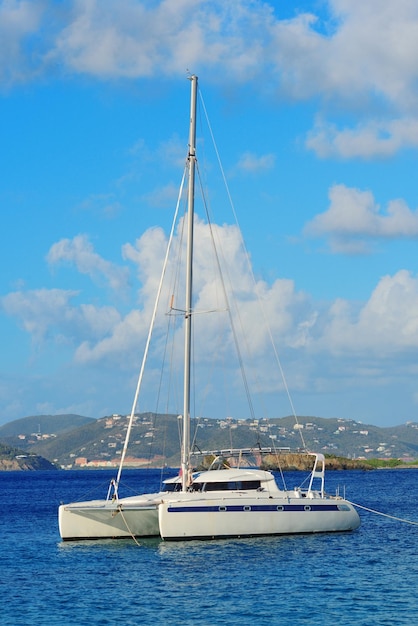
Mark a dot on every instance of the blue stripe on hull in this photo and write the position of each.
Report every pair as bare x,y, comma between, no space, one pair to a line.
255,508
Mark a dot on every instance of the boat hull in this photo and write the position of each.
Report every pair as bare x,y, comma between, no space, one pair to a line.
249,516
104,519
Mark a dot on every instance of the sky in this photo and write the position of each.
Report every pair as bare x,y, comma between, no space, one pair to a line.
314,108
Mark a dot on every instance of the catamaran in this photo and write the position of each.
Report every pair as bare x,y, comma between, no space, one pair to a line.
227,500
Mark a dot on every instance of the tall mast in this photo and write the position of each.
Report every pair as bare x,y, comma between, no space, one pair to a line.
185,460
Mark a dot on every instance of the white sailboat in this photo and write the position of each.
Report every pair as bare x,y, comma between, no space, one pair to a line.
240,502
217,503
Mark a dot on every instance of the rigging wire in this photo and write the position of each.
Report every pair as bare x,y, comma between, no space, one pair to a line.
251,272
172,315
147,345
228,307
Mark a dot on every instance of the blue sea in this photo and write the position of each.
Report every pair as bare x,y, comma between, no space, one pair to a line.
367,577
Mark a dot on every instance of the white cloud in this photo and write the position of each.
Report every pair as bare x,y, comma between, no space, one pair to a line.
134,40
349,340
48,314
80,252
38,310
369,51
162,196
125,339
102,333
367,140
353,218
388,321
357,48
19,22
120,344
360,56
384,325
364,56
148,254
250,163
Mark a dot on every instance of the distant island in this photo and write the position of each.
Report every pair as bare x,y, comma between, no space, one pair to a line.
77,442
12,459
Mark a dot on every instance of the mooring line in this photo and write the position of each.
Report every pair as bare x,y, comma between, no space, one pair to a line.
128,529
398,519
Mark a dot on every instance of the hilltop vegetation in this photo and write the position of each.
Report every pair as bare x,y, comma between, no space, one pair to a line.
56,424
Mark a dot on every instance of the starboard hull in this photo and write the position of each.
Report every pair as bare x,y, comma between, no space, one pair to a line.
248,517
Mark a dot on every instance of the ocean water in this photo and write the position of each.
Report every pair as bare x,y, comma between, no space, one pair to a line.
367,577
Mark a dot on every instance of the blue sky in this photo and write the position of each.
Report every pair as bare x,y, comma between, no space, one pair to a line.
313,105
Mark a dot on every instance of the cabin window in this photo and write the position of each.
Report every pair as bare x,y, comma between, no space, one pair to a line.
235,485
216,487
250,484
172,487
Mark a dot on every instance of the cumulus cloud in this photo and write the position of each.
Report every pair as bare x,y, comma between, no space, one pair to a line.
367,140
373,333
147,254
49,314
120,343
101,333
80,252
349,50
134,40
387,321
357,49
384,325
354,218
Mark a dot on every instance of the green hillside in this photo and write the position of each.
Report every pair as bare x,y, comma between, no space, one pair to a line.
155,439
39,424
